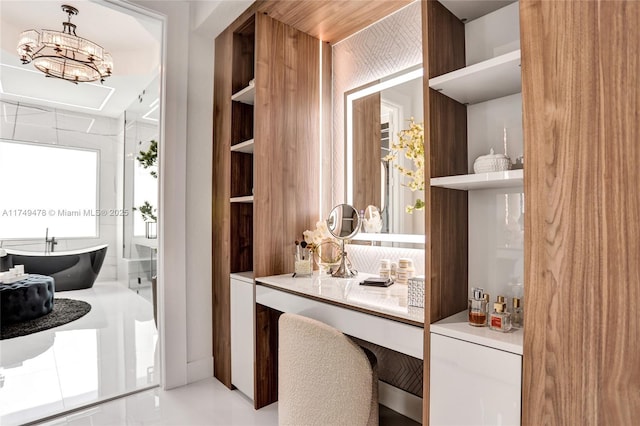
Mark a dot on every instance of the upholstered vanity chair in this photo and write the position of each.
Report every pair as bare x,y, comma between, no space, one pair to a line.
324,378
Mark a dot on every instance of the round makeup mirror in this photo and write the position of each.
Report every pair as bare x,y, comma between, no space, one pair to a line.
344,223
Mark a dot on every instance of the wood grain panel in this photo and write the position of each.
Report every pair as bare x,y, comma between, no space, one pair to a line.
241,122
243,55
327,20
241,176
220,223
366,151
447,136
242,242
330,20
446,215
449,252
266,378
444,39
287,141
580,64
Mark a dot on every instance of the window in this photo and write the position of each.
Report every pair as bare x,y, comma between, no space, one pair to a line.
145,189
47,186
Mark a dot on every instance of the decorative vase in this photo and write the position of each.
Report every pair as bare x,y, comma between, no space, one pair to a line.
327,256
151,230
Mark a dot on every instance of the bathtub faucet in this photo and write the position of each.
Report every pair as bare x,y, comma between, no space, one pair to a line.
49,243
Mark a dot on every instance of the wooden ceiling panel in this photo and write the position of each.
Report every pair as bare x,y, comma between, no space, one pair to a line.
329,20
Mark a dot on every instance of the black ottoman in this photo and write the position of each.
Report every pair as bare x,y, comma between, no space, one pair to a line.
27,299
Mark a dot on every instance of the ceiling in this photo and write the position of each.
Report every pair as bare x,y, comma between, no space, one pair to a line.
133,41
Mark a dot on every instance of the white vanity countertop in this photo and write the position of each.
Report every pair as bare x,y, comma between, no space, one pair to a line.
457,326
387,302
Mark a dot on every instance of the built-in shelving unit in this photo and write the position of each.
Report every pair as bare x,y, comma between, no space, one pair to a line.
246,95
250,137
506,179
474,103
490,79
242,147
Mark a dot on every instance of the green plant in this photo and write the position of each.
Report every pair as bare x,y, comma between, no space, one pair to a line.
148,212
411,141
149,158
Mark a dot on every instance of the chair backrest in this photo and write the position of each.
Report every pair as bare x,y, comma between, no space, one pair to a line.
324,378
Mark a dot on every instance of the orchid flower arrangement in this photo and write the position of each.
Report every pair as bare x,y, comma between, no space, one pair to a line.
317,236
411,141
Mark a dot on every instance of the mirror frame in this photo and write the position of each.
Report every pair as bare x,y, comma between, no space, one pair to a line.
355,228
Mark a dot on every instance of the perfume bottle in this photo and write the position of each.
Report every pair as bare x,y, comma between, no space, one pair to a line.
487,299
499,319
517,319
477,308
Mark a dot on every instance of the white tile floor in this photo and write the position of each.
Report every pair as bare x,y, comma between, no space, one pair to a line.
207,402
109,351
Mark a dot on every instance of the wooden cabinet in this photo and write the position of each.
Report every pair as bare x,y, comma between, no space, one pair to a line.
473,384
578,63
475,221
242,318
267,103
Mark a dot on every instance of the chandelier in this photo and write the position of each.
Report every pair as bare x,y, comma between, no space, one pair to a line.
64,55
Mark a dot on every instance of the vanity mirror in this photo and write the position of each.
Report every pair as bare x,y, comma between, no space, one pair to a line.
344,223
374,116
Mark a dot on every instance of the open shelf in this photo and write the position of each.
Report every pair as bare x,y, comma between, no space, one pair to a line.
490,79
245,199
246,95
457,326
245,147
507,179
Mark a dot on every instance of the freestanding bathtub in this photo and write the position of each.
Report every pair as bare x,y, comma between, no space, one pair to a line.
71,270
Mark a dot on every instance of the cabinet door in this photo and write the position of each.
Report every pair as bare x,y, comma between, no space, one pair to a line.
473,384
242,336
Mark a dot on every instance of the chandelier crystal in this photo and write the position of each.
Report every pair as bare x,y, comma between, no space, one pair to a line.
62,54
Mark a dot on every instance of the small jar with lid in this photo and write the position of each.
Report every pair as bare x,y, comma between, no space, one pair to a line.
500,320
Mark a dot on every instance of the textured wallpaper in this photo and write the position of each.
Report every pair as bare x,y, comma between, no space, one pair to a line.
386,47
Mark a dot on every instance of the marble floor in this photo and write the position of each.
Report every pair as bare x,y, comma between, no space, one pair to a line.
108,352
207,402
204,403
47,378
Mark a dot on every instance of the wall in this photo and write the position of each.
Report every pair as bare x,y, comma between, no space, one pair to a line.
185,184
198,202
172,180
390,45
22,122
